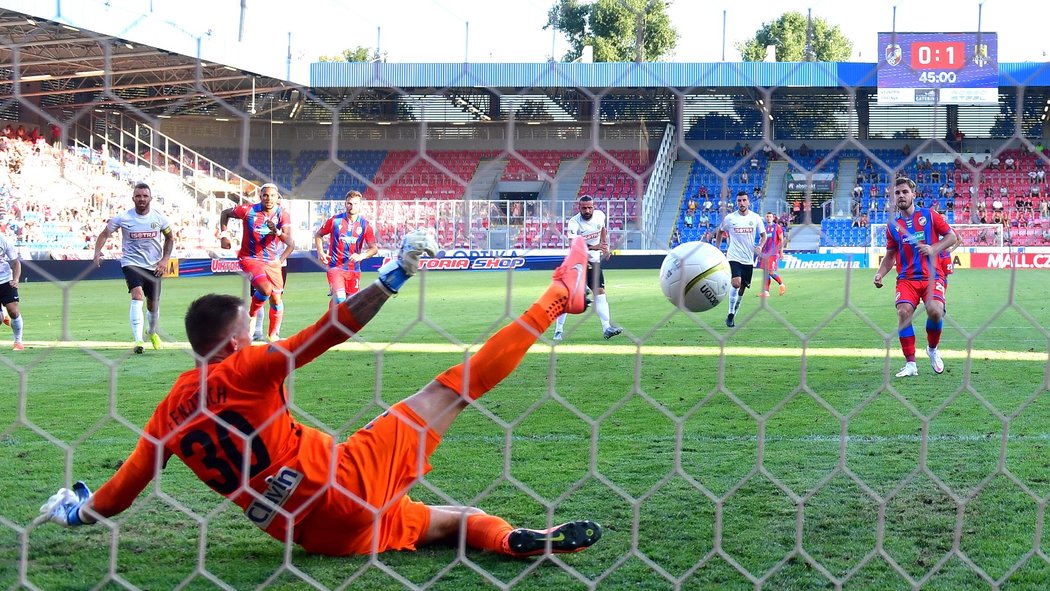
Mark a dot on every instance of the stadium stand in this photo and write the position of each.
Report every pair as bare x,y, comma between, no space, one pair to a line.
405,174
55,200
546,162
275,166
364,164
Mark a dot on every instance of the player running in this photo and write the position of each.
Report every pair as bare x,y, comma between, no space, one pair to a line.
772,251
746,232
143,259
352,240
592,225
295,482
914,242
265,223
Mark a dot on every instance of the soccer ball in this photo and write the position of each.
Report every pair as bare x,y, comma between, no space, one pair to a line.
695,276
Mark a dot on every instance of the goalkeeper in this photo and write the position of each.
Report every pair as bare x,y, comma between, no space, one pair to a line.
250,449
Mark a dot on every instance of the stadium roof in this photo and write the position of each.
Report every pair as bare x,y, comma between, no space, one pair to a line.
63,67
629,75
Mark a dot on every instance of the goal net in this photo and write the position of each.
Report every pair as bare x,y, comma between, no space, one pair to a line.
828,472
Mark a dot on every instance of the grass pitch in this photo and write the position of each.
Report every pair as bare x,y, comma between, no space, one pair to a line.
781,453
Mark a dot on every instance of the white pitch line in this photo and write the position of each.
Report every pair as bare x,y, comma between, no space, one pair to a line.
635,439
571,349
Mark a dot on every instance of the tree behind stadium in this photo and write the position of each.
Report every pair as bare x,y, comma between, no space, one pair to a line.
618,30
795,42
357,54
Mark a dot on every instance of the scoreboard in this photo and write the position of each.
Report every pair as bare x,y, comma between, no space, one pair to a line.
938,68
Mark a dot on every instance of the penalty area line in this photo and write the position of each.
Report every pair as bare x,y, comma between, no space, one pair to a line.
583,349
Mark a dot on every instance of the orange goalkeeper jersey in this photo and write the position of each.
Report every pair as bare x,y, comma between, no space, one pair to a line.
229,422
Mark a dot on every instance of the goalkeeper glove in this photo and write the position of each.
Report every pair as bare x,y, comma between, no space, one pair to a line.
64,506
395,273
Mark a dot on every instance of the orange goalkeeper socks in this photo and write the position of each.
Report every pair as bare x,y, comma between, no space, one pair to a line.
488,532
502,353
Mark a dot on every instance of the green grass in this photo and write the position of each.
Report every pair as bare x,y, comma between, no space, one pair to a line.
783,448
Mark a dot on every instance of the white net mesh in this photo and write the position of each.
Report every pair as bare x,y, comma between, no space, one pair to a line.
780,454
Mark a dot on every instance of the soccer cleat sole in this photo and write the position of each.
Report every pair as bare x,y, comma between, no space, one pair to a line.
611,332
139,348
572,273
565,538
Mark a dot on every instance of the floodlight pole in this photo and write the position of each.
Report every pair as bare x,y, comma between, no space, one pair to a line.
240,32
724,35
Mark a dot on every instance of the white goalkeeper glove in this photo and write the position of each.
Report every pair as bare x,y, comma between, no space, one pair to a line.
395,273
64,506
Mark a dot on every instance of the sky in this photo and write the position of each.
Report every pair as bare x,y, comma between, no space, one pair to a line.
417,31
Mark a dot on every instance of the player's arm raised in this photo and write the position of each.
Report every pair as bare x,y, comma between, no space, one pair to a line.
947,234
224,234
603,245
370,250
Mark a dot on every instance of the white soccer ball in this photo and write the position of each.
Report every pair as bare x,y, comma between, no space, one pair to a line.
695,276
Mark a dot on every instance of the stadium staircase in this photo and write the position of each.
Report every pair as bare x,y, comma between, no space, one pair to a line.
799,237
570,179
775,191
144,146
842,203
803,237
483,185
318,180
673,201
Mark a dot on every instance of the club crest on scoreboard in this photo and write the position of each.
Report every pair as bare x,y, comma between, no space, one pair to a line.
893,54
980,55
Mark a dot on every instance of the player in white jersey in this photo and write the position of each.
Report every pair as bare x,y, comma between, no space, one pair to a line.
590,223
741,227
10,273
146,245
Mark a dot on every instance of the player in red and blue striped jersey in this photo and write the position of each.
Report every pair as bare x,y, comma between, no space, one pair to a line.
914,242
352,240
772,250
265,223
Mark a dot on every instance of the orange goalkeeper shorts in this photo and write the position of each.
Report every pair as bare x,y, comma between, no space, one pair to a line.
370,509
